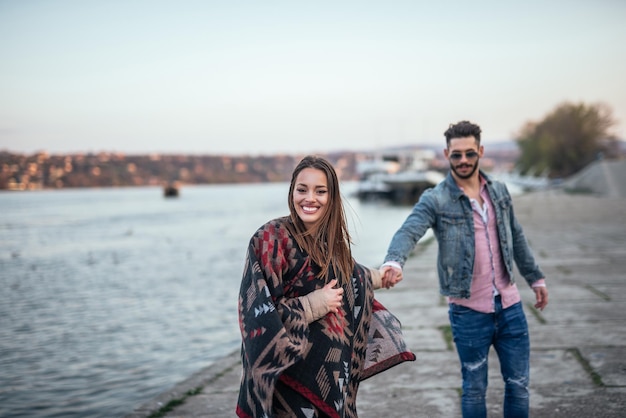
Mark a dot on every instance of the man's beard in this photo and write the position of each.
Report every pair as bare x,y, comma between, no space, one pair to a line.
469,174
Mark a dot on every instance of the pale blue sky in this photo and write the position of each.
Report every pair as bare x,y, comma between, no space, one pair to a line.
264,77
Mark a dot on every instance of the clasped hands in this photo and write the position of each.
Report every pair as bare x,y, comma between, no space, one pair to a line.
390,276
329,298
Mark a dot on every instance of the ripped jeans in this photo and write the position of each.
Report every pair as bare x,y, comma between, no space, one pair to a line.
474,333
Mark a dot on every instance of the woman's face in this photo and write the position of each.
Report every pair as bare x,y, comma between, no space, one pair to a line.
310,195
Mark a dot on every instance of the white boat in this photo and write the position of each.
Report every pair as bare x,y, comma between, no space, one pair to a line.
398,176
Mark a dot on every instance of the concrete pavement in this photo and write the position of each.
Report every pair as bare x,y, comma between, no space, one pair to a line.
578,343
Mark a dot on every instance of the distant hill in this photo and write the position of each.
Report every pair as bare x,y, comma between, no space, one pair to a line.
505,145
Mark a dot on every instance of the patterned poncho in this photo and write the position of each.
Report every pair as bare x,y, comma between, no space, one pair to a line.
293,368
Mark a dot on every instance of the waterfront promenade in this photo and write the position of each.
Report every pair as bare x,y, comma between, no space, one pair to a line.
578,343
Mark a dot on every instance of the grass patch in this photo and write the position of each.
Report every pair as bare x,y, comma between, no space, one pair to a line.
598,292
536,313
564,270
578,190
174,403
595,377
446,332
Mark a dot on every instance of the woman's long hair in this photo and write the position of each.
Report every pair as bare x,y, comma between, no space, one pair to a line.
328,241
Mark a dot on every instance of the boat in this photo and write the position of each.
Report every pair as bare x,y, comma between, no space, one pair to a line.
170,190
398,176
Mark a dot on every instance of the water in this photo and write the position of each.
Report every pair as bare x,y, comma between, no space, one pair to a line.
111,296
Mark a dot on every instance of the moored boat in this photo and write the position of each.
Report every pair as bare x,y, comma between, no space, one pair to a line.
397,176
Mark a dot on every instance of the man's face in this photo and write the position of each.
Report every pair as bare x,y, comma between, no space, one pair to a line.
463,155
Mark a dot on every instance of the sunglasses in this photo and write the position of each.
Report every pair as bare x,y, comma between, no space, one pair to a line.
470,155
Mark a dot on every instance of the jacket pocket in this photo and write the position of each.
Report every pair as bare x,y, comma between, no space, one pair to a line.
452,229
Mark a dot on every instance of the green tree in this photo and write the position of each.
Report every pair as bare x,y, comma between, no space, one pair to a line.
566,140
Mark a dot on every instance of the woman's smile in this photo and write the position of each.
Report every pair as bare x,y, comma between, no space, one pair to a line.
309,209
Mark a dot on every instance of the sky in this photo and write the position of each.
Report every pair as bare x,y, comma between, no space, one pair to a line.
266,77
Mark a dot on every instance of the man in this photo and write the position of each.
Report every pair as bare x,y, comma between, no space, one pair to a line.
479,237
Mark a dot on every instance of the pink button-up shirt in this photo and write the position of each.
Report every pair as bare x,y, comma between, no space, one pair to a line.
490,277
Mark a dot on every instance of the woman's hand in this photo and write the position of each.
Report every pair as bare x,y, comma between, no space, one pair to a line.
322,301
332,296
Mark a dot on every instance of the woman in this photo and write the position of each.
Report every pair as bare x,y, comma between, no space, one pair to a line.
306,307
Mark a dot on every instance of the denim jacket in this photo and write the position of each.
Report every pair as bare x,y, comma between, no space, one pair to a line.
448,211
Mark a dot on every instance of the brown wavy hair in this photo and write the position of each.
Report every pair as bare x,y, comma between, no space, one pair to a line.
328,241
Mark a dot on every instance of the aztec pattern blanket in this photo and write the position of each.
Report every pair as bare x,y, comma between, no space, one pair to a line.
292,368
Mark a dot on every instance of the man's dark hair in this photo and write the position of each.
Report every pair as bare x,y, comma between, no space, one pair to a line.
461,130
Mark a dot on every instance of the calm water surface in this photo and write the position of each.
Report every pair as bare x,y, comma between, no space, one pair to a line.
111,296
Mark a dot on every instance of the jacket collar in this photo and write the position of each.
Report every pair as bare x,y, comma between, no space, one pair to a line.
455,190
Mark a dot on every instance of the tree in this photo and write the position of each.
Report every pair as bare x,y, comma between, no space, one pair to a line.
566,140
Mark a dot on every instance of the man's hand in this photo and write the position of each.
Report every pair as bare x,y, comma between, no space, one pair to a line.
391,276
541,294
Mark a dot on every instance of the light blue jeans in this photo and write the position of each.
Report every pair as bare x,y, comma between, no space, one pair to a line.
474,333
